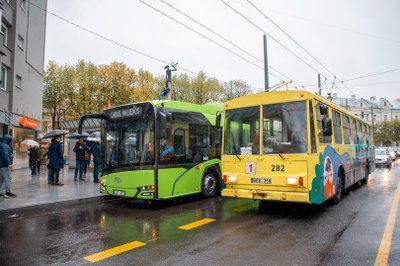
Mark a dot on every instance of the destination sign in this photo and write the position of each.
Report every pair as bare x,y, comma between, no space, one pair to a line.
131,111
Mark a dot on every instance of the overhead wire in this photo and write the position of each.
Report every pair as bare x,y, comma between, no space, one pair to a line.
224,38
290,37
206,37
277,41
120,44
298,44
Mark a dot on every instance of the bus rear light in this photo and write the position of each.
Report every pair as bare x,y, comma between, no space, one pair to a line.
300,181
231,180
225,178
292,181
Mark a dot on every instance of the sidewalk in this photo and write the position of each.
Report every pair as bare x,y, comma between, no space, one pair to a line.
33,192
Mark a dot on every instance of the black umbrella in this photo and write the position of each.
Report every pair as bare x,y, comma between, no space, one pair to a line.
56,132
76,135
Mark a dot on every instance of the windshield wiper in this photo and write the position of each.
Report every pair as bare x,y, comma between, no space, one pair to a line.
234,146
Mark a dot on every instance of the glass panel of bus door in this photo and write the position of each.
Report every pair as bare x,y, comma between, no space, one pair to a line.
312,127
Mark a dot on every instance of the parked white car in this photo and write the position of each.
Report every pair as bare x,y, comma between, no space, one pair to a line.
382,157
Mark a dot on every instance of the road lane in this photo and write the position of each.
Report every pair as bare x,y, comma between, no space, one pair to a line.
242,234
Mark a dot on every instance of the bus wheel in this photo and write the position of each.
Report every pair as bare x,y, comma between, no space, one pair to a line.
339,189
210,184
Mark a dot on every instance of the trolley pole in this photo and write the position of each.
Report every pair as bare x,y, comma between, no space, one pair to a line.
266,85
319,84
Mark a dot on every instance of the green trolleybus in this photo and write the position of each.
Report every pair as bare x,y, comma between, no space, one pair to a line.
160,149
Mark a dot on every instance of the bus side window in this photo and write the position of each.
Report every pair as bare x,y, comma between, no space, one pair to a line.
312,128
322,139
353,132
337,127
346,129
179,142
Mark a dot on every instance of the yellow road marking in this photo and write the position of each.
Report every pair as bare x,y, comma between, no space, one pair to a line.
196,224
114,251
384,249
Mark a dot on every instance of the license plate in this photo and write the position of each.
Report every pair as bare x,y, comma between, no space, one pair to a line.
261,180
119,192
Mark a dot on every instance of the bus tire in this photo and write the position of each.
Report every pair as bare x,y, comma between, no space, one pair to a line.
339,188
210,184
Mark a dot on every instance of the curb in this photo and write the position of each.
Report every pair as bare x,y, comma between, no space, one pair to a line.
48,208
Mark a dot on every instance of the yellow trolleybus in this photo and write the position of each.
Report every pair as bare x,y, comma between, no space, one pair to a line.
293,146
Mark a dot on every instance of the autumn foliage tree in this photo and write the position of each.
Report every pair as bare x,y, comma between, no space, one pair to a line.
84,88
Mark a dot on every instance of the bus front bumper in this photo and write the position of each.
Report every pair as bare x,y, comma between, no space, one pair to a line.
266,195
128,193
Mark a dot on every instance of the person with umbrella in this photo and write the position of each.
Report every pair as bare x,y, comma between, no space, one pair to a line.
33,158
56,158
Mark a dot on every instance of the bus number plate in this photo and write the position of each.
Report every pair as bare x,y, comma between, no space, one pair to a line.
119,192
261,180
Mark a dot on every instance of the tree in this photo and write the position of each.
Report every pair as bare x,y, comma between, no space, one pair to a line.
116,84
236,88
57,82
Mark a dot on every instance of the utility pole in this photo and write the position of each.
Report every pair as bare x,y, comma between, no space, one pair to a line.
266,86
319,84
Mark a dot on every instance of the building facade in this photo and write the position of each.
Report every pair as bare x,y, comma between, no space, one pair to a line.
374,110
22,50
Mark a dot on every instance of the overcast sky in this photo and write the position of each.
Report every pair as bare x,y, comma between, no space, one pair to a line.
350,38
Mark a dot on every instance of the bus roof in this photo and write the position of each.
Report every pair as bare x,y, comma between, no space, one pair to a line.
283,96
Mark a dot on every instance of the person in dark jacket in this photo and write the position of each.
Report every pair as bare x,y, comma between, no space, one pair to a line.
96,151
56,158
6,161
88,154
79,149
33,159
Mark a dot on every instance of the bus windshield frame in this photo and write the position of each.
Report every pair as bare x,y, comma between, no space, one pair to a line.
284,127
129,137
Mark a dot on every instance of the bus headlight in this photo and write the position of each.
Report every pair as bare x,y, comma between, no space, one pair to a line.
291,181
103,182
231,179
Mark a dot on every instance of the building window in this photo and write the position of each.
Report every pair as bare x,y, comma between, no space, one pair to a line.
3,77
19,82
366,116
22,4
4,32
20,42
361,104
385,117
384,103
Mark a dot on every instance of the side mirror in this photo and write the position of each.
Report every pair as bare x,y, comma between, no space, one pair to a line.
218,120
327,126
323,109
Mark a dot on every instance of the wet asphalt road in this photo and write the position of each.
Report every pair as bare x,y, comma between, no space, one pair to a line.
244,232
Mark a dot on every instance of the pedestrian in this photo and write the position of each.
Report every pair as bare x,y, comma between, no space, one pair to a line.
79,149
6,162
41,157
33,158
87,159
96,151
56,158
